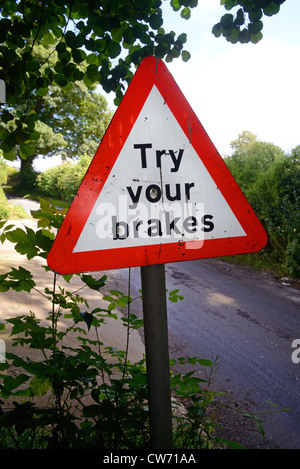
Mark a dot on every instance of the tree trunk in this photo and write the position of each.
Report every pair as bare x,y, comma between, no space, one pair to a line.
27,174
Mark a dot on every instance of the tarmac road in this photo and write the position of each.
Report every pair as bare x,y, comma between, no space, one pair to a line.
247,319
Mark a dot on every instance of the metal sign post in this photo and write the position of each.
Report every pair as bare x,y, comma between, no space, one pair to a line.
157,355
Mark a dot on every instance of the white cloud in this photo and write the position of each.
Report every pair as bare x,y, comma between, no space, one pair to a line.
252,87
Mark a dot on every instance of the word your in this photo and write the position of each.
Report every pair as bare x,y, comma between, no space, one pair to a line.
153,193
296,353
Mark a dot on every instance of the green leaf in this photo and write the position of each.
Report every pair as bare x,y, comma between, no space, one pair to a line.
60,80
256,27
233,38
272,9
92,72
182,38
93,283
174,297
185,55
240,18
70,39
40,385
88,319
204,362
160,50
117,34
67,277
217,30
233,444
10,383
227,21
155,21
129,36
255,38
229,4
9,155
244,36
175,5
26,150
25,241
185,13
255,15
112,306
114,49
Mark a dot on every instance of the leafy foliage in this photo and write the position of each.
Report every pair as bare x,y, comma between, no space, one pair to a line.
270,180
60,44
63,180
50,48
246,25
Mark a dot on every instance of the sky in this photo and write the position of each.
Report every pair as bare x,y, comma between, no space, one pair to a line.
237,87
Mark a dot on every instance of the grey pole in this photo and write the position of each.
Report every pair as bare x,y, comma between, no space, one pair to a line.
157,355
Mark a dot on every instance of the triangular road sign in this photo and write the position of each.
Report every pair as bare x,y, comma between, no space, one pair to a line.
156,191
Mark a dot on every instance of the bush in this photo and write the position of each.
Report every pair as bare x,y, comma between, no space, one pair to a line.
271,183
64,180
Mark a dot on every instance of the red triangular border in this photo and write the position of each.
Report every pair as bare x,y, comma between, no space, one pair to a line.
61,258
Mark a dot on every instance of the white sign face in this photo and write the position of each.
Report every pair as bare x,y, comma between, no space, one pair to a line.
158,191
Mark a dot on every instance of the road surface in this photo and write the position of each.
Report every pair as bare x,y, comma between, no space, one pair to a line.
248,320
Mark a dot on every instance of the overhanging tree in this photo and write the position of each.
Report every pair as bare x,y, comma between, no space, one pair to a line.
108,37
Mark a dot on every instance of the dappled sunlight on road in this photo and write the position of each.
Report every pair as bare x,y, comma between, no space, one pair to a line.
219,299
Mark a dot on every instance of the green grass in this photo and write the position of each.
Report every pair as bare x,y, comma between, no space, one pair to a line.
14,212
9,210
263,261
